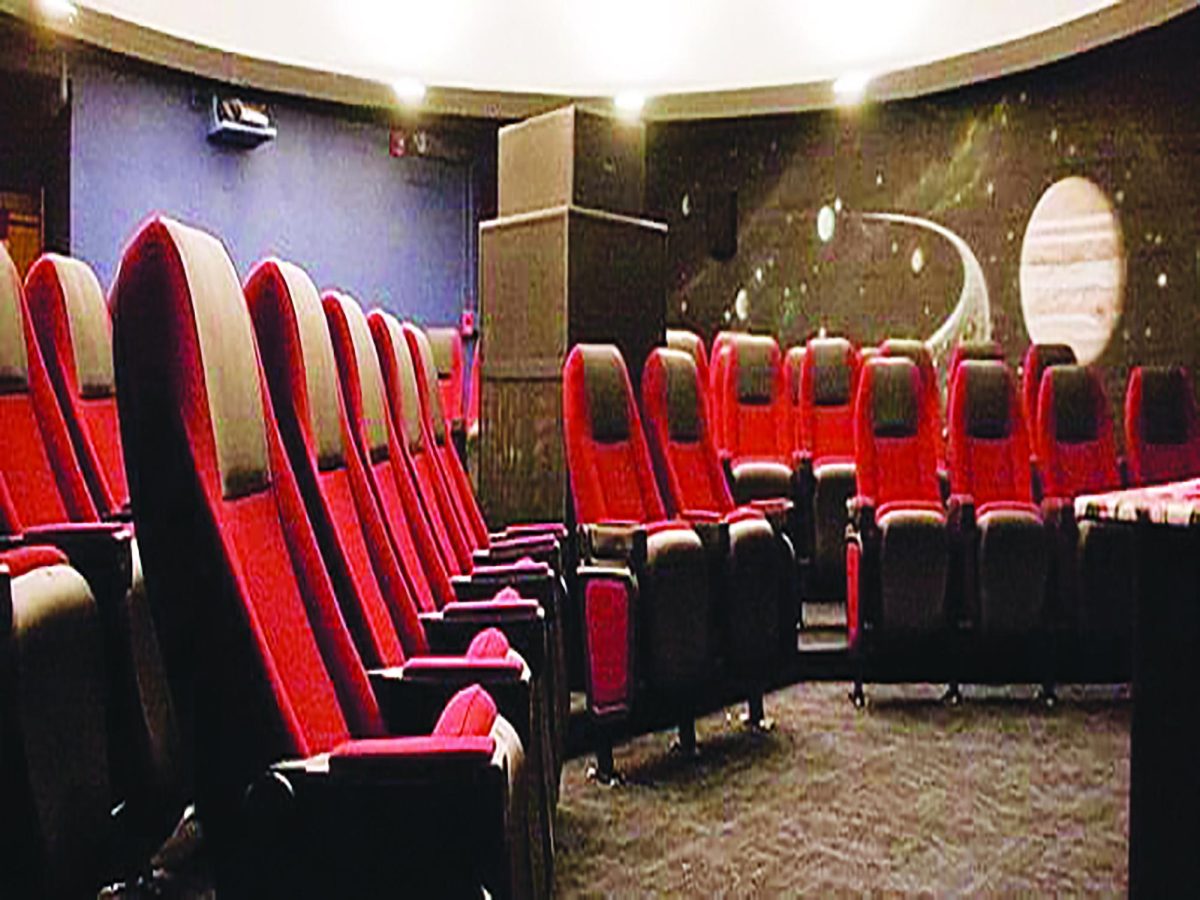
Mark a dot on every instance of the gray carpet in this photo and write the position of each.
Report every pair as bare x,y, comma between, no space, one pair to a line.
995,795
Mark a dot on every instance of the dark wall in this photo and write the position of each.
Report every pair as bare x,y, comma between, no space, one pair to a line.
325,194
974,161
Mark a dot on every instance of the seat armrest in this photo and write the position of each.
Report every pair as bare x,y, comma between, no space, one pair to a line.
102,552
451,630
860,511
412,696
960,513
556,530
624,541
486,583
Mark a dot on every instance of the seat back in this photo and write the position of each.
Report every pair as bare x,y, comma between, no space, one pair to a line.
718,360
1037,359
612,479
1074,440
70,318
828,383
43,478
693,345
446,348
893,456
754,401
989,448
931,403
55,787
451,471
793,363
1162,439
301,373
677,431
260,661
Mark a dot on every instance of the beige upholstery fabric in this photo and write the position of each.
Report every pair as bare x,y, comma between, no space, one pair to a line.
320,367
410,401
61,706
441,342
685,341
230,361
370,377
87,319
431,388
14,364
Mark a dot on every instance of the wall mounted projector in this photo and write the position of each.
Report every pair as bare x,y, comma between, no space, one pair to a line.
236,123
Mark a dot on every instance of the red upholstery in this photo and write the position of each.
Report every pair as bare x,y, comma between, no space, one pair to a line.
793,362
755,427
44,481
20,560
418,534
612,480
378,598
990,461
1037,358
897,469
1074,437
931,404
1162,437
473,396
828,421
447,349
718,361
70,317
692,344
684,456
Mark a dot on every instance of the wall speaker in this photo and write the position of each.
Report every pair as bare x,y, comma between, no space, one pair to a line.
722,224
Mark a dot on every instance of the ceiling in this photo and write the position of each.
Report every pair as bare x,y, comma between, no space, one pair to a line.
689,57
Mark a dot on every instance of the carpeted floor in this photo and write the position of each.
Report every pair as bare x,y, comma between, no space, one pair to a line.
995,795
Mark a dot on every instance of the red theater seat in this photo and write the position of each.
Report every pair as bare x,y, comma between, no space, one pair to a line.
828,384
1093,588
1162,438
70,318
793,362
646,607
298,784
1038,358
693,345
754,597
931,403
756,427
1007,546
897,547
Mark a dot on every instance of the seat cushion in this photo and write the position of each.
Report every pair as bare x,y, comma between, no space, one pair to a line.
760,479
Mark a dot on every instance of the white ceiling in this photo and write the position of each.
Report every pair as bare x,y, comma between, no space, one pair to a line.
599,47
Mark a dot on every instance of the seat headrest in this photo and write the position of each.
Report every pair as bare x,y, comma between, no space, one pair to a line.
87,319
831,370
794,360
14,361
608,404
908,348
1044,355
320,365
1076,418
683,396
406,374
966,350
894,388
443,342
1164,405
988,398
687,341
370,378
416,338
757,357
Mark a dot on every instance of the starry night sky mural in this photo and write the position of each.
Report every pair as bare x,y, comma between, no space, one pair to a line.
1063,201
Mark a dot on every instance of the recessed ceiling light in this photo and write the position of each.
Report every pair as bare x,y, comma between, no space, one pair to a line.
629,103
850,87
409,90
57,9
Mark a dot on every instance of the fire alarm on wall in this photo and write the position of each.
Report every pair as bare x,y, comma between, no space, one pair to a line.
466,324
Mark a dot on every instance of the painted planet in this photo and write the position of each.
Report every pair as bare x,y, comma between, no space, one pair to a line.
1073,268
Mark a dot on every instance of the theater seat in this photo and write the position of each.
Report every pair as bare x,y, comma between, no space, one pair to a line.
751,567
1162,439
828,384
1038,358
793,362
693,345
646,609
1005,540
70,319
897,555
931,403
44,500
446,347
1093,563
756,427
301,784
56,787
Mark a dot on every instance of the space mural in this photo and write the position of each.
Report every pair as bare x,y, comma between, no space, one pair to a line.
1059,205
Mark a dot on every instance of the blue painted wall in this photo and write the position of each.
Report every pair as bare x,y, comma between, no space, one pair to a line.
325,194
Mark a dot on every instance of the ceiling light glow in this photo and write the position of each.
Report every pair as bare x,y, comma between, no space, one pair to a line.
57,9
851,87
629,103
409,90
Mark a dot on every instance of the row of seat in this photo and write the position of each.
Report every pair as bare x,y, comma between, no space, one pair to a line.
318,582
